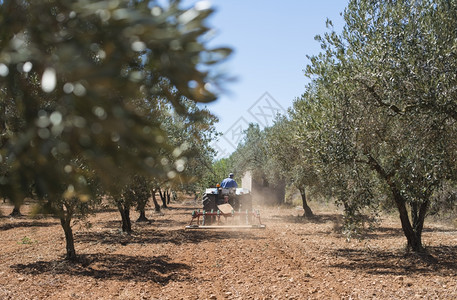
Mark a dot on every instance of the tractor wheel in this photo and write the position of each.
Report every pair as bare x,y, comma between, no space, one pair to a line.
209,203
234,201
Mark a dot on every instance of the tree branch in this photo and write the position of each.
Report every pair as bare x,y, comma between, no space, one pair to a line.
378,99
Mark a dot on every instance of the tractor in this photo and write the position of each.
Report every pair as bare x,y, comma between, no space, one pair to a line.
233,204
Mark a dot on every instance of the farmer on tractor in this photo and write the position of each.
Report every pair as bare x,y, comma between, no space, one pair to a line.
229,182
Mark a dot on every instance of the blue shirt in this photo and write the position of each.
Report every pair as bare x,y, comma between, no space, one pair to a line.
228,183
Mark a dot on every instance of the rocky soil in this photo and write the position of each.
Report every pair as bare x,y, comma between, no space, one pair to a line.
291,259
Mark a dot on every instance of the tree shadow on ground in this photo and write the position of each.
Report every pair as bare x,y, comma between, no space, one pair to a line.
440,259
316,219
168,223
105,210
442,230
13,225
108,267
378,232
187,209
197,236
117,224
111,224
153,236
382,232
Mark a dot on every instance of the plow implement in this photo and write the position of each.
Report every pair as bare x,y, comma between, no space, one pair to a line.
231,219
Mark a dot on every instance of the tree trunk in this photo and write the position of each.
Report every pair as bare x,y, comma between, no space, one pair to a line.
308,212
163,198
419,219
125,215
168,197
142,217
154,200
414,237
65,221
16,209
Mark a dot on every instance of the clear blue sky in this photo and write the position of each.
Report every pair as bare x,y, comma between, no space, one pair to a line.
270,40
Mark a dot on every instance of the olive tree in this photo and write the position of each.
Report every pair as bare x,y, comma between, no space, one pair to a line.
383,94
192,134
291,157
75,71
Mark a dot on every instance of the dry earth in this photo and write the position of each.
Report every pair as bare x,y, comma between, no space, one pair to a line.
290,259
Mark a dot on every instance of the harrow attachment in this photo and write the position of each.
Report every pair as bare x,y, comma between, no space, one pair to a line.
232,219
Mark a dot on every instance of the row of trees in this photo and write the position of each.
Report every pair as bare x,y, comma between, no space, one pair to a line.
99,99
376,126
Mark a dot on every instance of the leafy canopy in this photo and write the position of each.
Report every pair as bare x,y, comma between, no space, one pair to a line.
81,80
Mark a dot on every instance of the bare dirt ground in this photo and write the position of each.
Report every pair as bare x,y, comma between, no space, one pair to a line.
291,259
